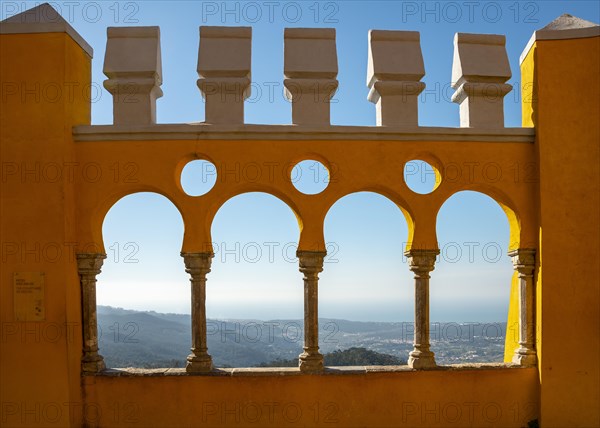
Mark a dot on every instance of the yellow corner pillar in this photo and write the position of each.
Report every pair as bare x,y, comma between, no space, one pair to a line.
561,99
45,70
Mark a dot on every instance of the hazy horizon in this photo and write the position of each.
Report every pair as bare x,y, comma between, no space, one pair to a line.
295,318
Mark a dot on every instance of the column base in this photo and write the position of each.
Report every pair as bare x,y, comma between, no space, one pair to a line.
421,359
525,357
93,364
199,363
310,362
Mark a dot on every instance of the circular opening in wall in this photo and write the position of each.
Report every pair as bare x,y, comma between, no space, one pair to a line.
198,177
310,177
421,177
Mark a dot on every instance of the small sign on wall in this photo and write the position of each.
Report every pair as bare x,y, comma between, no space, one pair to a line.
28,299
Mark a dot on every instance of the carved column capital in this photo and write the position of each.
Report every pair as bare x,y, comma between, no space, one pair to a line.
197,263
421,262
523,260
311,262
90,264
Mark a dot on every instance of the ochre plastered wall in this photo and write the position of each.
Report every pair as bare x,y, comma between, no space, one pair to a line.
40,361
477,398
564,108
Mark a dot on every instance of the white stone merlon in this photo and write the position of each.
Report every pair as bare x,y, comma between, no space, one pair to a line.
133,66
224,67
310,70
479,72
395,69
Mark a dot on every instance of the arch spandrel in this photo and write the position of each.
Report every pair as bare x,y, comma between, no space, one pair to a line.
388,193
520,221
199,219
355,169
99,215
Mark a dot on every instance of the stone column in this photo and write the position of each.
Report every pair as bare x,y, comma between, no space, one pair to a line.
311,264
198,265
88,266
524,263
421,262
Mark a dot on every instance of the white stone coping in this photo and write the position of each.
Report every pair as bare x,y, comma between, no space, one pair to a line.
295,371
203,131
573,33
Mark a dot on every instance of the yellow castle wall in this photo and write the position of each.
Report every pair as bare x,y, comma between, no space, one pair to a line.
563,105
68,214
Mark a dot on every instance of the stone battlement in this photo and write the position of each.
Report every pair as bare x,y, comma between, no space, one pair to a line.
395,69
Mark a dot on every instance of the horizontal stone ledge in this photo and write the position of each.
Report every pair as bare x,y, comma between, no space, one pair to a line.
203,131
294,371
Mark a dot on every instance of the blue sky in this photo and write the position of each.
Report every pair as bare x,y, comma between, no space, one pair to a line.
255,274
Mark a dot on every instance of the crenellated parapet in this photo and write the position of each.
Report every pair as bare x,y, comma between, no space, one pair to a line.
394,72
